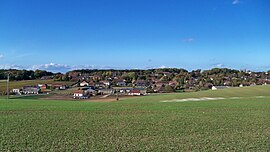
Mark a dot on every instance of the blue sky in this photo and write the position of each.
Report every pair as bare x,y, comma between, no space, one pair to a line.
59,35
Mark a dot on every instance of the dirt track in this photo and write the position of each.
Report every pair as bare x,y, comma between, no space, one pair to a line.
91,99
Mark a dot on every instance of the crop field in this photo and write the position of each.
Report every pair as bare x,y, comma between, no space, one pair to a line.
236,119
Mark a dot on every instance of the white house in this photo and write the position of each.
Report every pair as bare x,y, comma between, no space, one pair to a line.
84,83
17,91
79,94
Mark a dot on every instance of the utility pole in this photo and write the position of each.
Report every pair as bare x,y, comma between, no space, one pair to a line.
8,74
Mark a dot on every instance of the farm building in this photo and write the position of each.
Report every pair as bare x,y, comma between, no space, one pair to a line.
90,91
31,90
59,86
79,94
106,91
219,87
135,93
17,91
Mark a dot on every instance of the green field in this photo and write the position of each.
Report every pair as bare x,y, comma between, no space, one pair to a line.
140,124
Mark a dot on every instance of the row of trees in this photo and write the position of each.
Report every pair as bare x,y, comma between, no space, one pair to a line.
24,74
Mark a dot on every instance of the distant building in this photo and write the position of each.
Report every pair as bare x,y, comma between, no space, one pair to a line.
31,90
107,83
219,87
84,83
90,91
17,91
59,86
141,83
106,91
42,86
135,93
79,94
120,82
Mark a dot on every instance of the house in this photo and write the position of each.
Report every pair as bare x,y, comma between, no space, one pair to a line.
84,83
134,93
100,85
219,87
90,91
79,94
59,86
42,86
141,83
45,88
17,91
120,82
89,87
167,74
125,90
107,83
31,90
91,83
161,83
106,91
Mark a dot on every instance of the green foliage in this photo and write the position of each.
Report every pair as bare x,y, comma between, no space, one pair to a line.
24,74
169,88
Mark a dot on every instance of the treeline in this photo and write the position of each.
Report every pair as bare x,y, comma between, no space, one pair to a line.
24,74
148,71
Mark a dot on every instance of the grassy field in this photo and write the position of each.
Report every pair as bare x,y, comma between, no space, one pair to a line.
140,124
20,84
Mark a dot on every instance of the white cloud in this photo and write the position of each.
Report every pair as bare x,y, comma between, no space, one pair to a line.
11,66
218,65
51,67
162,67
235,2
188,40
1,56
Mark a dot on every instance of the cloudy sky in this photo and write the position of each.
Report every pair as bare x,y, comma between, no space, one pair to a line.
60,35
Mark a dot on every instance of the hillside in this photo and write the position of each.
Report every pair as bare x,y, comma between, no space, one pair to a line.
19,84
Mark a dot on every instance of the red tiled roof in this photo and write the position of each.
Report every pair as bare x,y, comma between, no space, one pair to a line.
135,91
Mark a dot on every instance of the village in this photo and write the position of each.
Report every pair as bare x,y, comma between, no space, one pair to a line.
105,83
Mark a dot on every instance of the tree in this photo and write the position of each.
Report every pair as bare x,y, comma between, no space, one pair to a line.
169,88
